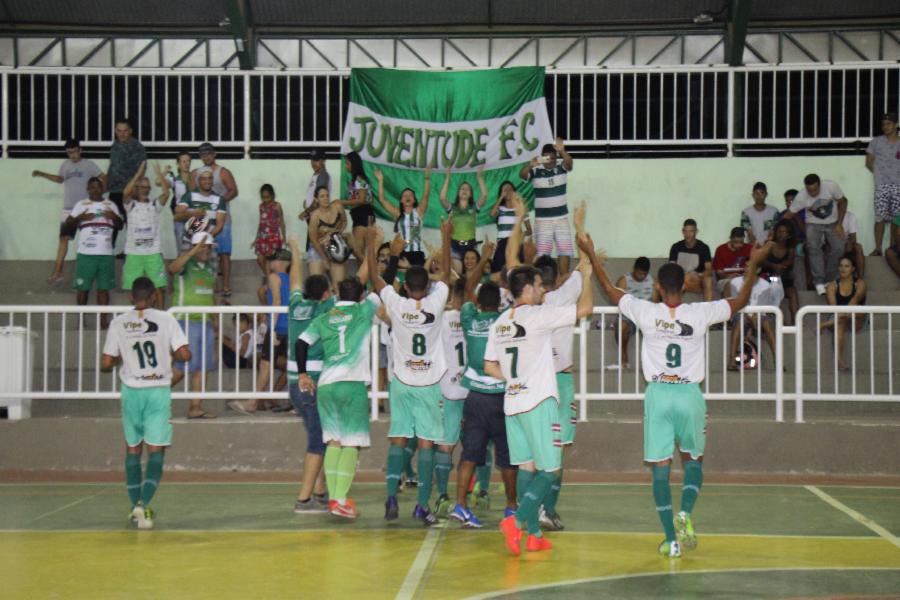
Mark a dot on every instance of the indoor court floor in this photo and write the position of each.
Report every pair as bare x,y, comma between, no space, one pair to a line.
242,540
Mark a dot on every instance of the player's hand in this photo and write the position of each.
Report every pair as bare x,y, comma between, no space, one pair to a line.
293,242
759,255
585,243
579,215
447,226
487,249
306,384
601,256
109,214
397,245
379,175
35,173
584,265
558,145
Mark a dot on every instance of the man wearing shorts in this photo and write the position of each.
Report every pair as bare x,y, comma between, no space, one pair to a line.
74,174
418,364
308,300
520,352
143,252
673,360
143,340
548,174
224,186
96,219
883,159
344,332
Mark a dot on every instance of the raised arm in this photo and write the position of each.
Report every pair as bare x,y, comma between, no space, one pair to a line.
446,230
378,283
444,188
757,257
48,176
423,202
515,237
177,265
525,171
482,186
362,273
387,206
586,245
585,307
568,163
296,272
163,182
474,277
129,187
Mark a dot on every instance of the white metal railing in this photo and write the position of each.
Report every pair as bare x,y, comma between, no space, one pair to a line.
636,106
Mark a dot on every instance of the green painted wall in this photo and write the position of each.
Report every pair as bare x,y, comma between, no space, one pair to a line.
635,206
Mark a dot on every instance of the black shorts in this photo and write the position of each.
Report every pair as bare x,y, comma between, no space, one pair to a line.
416,258
68,231
360,215
280,349
498,261
484,421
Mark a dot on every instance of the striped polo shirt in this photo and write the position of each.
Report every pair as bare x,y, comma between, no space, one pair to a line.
506,220
409,226
549,191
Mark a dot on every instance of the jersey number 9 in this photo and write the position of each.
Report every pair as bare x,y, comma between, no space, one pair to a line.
673,356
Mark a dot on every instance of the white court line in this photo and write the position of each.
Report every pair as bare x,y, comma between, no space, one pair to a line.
62,508
856,516
420,565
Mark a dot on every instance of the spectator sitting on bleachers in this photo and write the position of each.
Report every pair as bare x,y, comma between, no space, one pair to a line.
780,263
239,354
759,219
798,228
851,246
893,253
847,290
766,291
638,283
730,261
694,257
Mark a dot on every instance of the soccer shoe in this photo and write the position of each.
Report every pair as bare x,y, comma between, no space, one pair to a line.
442,508
513,535
508,512
670,549
311,506
142,517
391,509
684,531
465,517
411,481
346,511
536,544
424,514
550,522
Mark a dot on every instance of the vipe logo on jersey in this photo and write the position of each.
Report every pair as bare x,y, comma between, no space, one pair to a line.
513,330
455,326
516,388
418,365
133,325
417,318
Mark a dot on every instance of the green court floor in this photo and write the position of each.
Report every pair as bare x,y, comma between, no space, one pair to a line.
243,541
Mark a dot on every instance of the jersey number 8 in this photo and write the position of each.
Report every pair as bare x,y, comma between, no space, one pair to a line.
418,344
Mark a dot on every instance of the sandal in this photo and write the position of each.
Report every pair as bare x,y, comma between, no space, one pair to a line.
202,415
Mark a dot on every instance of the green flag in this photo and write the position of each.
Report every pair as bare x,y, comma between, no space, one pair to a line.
403,122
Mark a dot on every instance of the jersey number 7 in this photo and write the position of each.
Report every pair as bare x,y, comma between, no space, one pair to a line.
514,365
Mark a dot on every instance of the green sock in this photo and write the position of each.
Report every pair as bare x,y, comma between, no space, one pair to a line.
394,468
133,477
553,494
531,501
153,476
408,451
425,465
443,463
330,465
483,473
523,480
662,496
693,481
346,471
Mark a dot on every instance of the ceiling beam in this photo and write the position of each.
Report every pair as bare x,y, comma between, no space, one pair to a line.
737,17
240,25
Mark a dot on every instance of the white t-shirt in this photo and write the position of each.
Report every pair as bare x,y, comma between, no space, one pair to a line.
416,346
850,224
566,295
75,177
95,236
143,227
145,344
674,348
822,209
521,341
455,355
760,222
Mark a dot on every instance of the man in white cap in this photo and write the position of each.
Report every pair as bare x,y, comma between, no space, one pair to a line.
224,186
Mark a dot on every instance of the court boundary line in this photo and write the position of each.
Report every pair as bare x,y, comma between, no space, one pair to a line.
853,514
381,483
421,565
570,582
61,508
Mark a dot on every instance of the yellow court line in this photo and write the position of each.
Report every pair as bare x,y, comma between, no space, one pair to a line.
856,516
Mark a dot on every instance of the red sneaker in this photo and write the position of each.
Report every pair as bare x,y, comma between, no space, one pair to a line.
346,511
536,544
513,535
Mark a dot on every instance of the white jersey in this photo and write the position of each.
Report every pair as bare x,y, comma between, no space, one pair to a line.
455,355
418,353
566,295
520,340
143,227
95,236
674,346
145,342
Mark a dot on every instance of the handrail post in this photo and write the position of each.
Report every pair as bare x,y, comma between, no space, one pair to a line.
247,113
730,116
779,366
582,370
4,114
798,365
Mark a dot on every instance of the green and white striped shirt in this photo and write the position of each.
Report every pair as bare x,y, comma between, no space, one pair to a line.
549,191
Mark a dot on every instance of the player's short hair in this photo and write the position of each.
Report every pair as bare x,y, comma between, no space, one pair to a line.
811,179
72,143
488,297
671,277
689,223
791,192
459,288
642,263
142,289
416,278
519,278
415,259
548,149
350,290
548,268
315,287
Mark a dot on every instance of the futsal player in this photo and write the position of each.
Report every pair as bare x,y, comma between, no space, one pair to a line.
143,340
673,360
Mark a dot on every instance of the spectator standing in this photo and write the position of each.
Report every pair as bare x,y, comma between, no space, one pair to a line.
798,232
409,217
759,219
125,156
694,257
883,159
202,203
328,219
320,178
225,187
825,206
730,260
851,246
548,174
270,233
143,253
360,202
179,182
464,213
506,220
74,174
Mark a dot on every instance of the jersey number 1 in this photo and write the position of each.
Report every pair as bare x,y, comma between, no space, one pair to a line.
673,356
146,353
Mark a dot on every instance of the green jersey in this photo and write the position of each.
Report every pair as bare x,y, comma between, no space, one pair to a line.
476,326
345,332
463,221
196,286
301,313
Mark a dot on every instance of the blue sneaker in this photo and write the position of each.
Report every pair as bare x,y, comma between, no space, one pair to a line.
424,514
466,517
391,509
508,512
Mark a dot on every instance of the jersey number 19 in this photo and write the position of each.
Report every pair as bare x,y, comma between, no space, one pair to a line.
146,353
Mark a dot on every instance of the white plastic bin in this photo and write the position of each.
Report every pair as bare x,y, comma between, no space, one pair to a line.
15,370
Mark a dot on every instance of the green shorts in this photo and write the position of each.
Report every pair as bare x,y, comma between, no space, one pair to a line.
416,411
144,265
568,410
94,267
673,414
145,415
344,413
534,436
452,411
